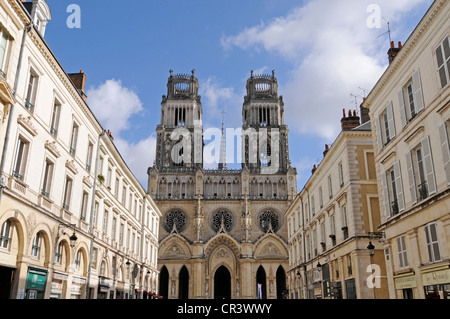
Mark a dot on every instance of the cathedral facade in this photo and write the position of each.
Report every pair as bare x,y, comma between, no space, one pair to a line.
222,232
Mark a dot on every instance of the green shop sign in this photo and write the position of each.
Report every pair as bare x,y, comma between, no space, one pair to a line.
36,278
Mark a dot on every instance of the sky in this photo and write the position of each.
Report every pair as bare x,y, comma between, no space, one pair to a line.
327,55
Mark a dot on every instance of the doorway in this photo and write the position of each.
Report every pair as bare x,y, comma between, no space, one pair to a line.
261,287
222,283
6,278
183,284
164,283
281,284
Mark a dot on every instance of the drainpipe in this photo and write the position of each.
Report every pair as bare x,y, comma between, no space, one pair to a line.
11,110
91,218
141,294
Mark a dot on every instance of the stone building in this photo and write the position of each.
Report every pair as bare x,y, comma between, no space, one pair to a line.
333,220
65,229
222,232
411,123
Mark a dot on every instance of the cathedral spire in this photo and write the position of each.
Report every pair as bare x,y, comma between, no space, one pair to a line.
223,151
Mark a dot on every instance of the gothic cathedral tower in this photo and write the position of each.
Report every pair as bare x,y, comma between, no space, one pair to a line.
222,233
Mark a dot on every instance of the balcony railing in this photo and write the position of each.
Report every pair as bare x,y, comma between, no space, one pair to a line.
394,206
29,106
423,191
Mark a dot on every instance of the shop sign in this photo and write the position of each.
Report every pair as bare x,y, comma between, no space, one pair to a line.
59,276
104,281
75,289
405,282
120,285
57,287
440,277
36,278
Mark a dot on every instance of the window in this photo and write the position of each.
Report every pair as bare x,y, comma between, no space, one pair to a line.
444,132
124,195
47,180
433,247
330,187
402,256
323,236
116,188
321,197
121,234
108,177
84,204
89,156
313,206
422,181
5,235
393,191
30,97
54,125
4,49
73,139
78,260
105,221
341,175
385,127
314,242
113,231
67,193
36,245
344,221
21,158
94,220
58,253
411,99
443,62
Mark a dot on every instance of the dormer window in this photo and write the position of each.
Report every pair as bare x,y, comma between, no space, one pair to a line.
40,14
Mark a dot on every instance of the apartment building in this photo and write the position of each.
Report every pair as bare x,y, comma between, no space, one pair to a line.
333,221
410,110
75,221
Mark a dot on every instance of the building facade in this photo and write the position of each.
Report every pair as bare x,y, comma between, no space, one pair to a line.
410,110
333,220
75,222
222,232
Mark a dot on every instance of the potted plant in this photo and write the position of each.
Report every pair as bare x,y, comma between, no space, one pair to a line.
345,228
332,236
322,244
101,179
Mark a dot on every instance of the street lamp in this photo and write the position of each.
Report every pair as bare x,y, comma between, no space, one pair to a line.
128,264
73,240
319,266
371,249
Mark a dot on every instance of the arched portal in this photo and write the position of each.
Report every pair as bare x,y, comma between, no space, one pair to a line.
261,287
164,283
222,283
183,284
281,282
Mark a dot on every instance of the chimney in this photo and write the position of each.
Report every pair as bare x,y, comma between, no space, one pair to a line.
364,113
327,148
393,51
314,169
79,79
110,135
351,121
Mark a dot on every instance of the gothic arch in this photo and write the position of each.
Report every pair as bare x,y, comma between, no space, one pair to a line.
214,245
18,220
270,246
174,246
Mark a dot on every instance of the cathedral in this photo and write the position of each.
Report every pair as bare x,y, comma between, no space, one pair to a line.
222,233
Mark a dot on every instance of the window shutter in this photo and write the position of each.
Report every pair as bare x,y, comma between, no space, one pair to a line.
441,66
391,123
419,103
429,170
412,182
400,252
401,100
399,186
379,135
386,195
445,150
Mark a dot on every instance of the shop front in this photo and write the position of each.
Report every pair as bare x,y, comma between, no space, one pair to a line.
6,279
405,284
59,283
120,290
35,284
77,288
103,288
436,283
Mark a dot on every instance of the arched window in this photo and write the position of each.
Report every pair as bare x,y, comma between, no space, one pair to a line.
36,245
5,235
58,253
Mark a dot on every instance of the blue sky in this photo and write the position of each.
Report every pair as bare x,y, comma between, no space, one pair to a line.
322,51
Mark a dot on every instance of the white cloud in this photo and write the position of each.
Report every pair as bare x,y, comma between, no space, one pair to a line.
114,105
332,51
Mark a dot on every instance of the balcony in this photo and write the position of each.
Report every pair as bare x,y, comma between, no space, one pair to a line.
423,191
